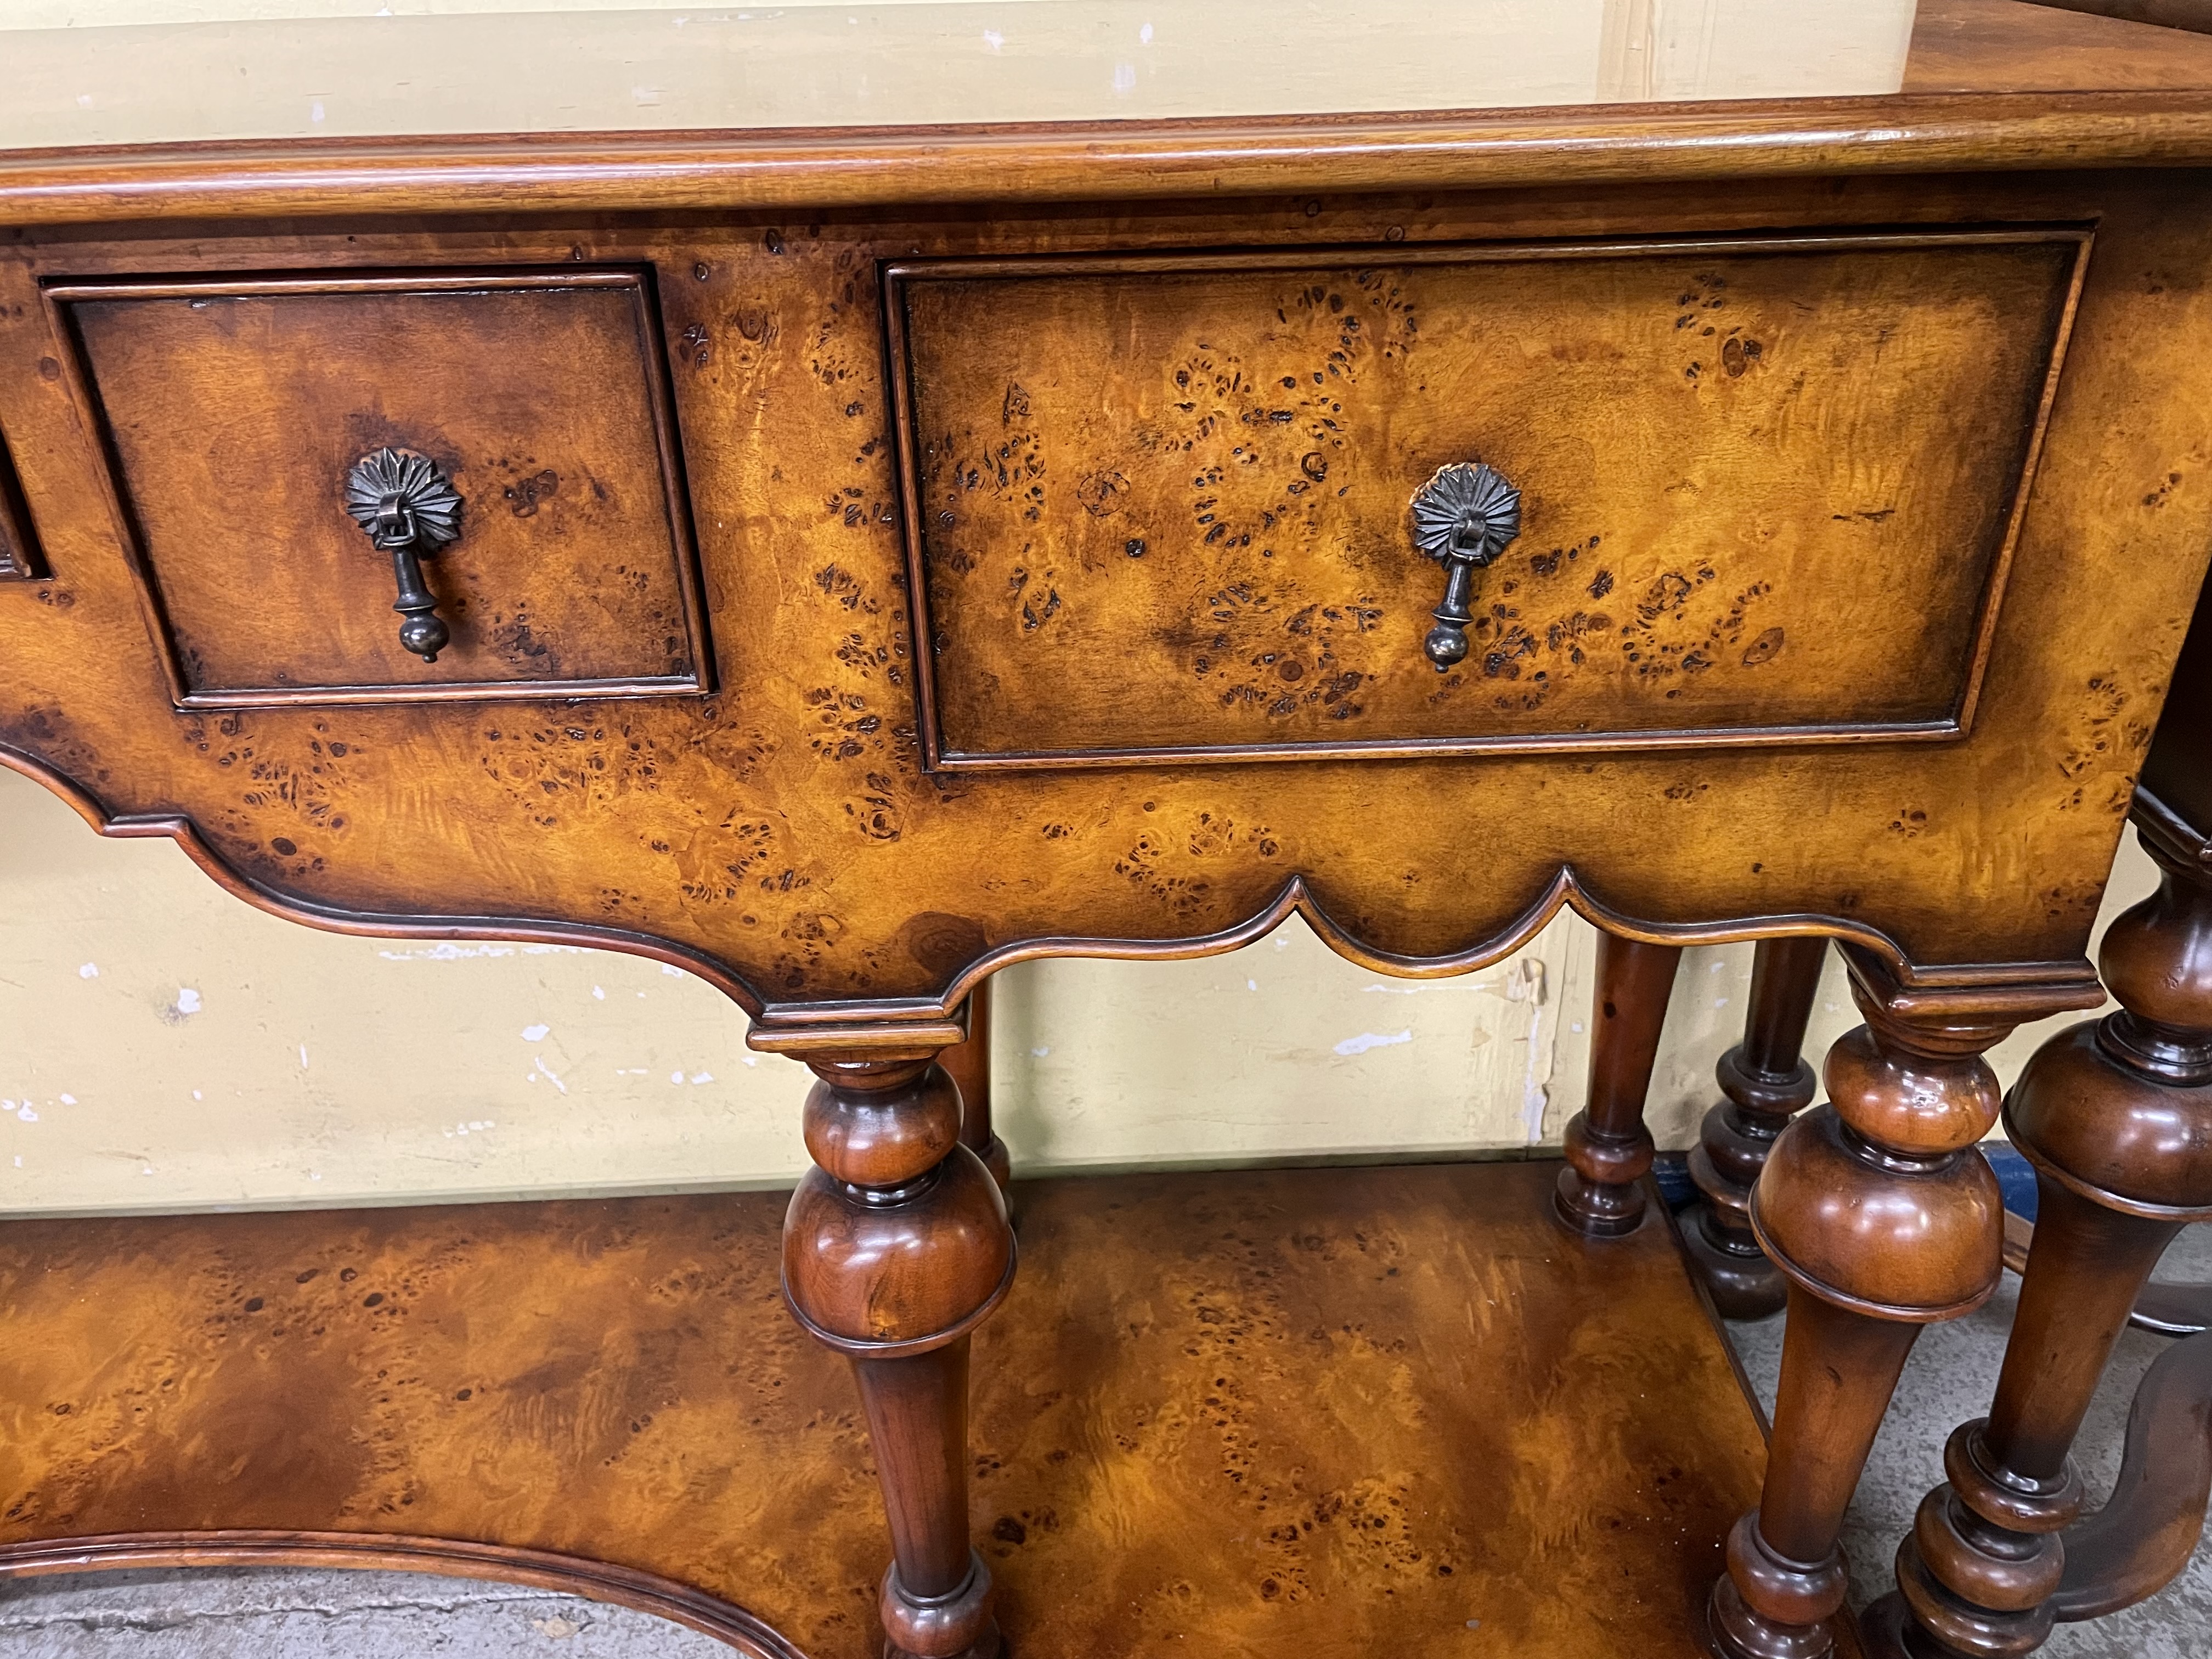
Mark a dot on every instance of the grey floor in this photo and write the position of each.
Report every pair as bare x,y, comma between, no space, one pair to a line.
279,1613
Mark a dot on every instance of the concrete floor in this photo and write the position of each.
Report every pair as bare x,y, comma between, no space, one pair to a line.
280,1614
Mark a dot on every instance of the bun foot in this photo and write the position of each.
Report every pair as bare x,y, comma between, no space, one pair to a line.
1742,1286
1598,1209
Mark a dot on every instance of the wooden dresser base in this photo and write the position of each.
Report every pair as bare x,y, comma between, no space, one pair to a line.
1326,1412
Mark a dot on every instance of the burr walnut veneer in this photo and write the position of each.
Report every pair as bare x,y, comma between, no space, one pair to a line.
844,562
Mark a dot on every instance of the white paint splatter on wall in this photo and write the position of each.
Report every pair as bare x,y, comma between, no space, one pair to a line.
1366,1040
446,950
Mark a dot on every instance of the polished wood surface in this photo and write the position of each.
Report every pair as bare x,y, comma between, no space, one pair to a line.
1227,481
2116,1117
541,398
1333,1412
2165,14
771,837
896,1248
1884,1216
2140,1539
1850,618
1966,44
968,1063
1764,1083
1988,47
1601,1192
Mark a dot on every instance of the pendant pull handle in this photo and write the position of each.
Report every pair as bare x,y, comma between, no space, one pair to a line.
408,508
1463,518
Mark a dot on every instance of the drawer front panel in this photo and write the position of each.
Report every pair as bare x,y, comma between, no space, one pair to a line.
235,410
1159,506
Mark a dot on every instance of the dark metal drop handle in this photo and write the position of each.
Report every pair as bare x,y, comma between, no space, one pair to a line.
424,631
410,510
1463,518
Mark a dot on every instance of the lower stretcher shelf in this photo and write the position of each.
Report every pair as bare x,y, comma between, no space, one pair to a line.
1326,1412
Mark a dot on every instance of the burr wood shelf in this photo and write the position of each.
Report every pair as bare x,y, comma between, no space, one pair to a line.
1322,1412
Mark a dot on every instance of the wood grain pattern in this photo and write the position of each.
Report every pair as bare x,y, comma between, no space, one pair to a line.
2139,1539
2117,1118
1764,1083
1332,1412
1884,1218
2194,14
1163,513
1267,1413
2131,96
1960,45
235,409
1992,127
779,830
1601,1192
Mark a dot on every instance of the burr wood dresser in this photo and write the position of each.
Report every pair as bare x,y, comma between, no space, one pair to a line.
841,512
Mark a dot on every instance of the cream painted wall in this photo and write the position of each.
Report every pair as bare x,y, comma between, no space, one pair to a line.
126,72
172,1048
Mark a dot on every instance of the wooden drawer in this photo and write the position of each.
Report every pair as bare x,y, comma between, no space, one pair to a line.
235,409
1157,505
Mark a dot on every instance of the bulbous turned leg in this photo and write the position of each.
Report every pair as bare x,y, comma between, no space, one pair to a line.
969,1063
1766,1085
894,1248
1884,1218
2116,1117
1600,1192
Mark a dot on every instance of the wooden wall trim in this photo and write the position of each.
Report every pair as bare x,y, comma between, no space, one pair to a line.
822,168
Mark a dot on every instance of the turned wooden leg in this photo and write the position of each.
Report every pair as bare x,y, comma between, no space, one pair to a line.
1600,1192
2116,1117
2140,1541
1884,1218
1766,1085
969,1063
894,1248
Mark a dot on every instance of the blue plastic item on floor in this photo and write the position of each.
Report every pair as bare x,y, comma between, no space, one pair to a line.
2015,1174
1672,1171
